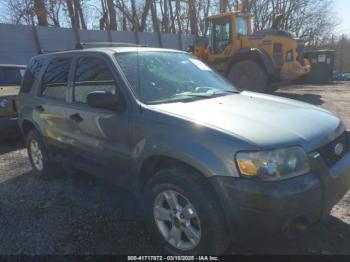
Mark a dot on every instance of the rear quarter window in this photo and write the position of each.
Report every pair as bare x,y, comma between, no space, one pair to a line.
30,75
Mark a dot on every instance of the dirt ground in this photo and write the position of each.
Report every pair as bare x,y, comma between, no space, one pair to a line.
79,214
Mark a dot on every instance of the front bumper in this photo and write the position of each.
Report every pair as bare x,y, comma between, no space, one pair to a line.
256,210
293,70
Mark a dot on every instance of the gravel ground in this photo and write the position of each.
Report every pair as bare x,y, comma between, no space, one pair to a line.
78,214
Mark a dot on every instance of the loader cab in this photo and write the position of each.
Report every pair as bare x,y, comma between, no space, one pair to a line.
225,31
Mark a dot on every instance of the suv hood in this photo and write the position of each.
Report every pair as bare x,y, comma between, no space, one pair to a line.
9,91
264,120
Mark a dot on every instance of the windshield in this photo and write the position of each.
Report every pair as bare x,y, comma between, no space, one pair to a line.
164,77
242,26
11,75
219,34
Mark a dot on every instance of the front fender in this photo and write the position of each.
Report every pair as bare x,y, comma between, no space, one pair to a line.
194,155
209,151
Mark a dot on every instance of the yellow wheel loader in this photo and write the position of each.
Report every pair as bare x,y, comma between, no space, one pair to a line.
259,61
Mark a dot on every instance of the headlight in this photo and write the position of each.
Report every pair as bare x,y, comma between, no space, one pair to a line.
4,103
274,164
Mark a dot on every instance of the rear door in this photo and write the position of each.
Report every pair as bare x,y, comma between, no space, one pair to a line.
99,136
50,107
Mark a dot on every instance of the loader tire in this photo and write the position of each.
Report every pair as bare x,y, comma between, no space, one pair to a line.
248,75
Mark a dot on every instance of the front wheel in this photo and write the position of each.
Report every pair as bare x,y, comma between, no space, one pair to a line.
248,75
183,215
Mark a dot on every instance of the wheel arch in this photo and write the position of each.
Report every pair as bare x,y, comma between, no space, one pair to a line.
27,125
154,163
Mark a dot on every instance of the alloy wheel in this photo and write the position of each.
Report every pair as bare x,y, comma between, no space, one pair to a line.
177,220
36,155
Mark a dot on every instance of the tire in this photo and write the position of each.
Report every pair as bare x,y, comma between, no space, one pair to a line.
38,156
207,226
248,75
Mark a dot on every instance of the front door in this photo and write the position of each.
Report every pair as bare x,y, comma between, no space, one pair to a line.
99,136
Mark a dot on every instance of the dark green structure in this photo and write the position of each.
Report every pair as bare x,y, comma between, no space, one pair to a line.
322,65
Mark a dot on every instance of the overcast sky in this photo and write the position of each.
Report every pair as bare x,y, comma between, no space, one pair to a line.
342,8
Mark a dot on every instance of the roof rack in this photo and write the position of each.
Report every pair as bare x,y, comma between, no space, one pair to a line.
45,51
105,44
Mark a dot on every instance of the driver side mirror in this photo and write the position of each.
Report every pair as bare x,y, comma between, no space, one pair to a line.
105,100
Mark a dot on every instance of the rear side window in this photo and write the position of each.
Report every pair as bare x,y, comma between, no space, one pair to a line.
30,75
54,81
92,74
10,76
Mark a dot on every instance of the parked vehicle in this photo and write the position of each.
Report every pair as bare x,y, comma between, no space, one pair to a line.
259,61
209,164
10,80
341,76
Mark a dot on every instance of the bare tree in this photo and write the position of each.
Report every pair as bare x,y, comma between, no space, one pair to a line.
19,11
54,11
310,20
40,12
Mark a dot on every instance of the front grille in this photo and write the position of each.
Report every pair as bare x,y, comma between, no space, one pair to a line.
328,154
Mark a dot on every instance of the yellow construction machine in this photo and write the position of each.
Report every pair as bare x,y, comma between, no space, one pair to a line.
259,61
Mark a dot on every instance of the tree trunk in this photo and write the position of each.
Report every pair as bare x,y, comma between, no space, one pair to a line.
178,19
79,13
76,14
71,13
104,19
166,17
223,6
112,15
172,17
144,16
155,23
154,16
193,17
41,12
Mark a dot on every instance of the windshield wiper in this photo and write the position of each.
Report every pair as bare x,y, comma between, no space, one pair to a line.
207,95
174,99
188,96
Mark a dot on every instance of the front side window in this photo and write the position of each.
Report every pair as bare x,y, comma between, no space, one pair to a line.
165,77
242,26
92,74
220,34
54,82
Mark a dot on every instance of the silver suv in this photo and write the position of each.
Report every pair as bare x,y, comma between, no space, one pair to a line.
210,164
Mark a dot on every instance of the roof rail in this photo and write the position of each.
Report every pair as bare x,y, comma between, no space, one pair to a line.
105,44
45,51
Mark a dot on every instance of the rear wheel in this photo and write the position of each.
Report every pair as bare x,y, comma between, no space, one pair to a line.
38,156
183,215
248,75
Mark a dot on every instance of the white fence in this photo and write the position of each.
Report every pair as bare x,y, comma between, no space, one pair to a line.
18,43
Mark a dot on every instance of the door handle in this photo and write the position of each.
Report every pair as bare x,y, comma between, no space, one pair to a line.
76,118
40,108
